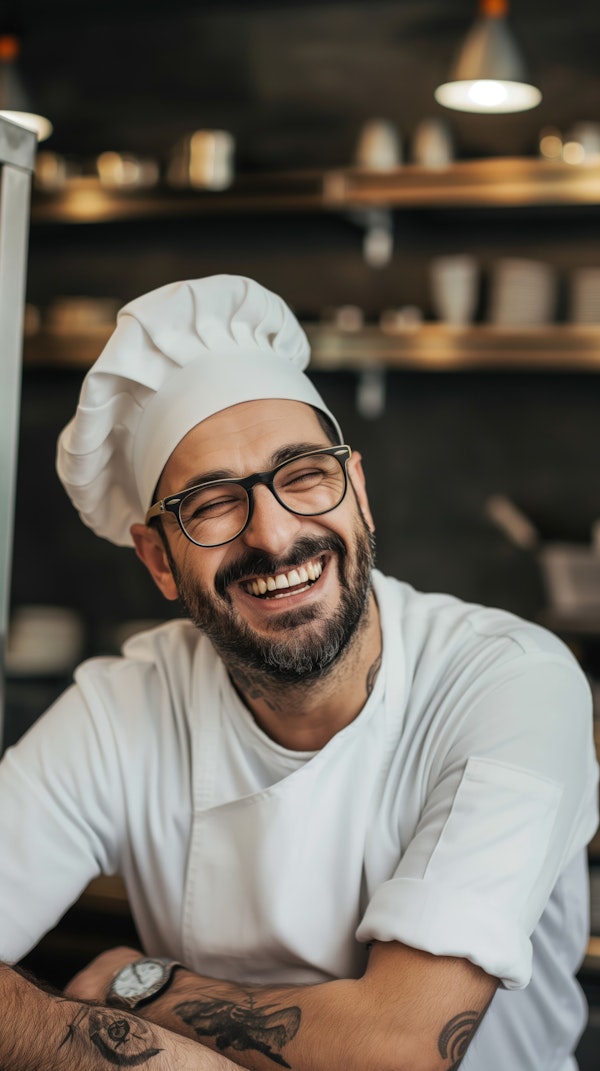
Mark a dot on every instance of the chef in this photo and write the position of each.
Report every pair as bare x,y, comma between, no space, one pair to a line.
351,817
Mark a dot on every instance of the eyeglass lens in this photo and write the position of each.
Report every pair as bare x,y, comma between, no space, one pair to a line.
308,486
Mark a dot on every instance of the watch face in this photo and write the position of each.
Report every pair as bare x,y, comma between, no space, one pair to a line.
138,978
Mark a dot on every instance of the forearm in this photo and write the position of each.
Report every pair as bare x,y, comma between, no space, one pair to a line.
260,1027
410,1010
354,1024
45,1030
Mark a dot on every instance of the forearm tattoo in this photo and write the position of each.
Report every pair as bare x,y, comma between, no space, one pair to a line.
457,1035
242,1026
123,1040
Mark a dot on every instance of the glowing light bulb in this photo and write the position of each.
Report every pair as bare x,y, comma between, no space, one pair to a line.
488,93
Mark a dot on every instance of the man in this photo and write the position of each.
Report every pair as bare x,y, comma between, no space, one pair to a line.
350,817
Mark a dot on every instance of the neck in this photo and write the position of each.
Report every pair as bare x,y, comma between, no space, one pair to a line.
305,716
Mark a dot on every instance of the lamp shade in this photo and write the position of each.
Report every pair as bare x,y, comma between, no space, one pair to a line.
14,101
488,74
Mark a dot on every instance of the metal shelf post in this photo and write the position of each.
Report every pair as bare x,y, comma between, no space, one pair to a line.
17,157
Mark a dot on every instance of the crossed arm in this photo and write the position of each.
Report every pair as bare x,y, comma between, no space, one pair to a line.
40,1029
409,1010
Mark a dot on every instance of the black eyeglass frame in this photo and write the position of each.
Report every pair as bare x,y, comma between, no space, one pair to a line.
172,503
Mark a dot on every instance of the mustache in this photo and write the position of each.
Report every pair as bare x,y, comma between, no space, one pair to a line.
260,564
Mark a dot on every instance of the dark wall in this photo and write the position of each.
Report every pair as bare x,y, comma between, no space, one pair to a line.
313,260
292,80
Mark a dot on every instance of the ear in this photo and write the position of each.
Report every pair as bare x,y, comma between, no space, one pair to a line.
357,478
150,550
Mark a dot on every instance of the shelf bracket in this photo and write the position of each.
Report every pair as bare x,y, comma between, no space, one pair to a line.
378,238
371,393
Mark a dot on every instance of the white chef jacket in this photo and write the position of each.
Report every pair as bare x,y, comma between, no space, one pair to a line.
451,814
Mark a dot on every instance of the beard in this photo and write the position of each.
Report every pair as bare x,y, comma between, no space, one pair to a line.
305,643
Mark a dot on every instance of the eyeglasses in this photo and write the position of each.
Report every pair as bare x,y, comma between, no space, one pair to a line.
218,511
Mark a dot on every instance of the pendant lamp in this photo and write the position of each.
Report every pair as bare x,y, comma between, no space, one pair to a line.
488,74
14,102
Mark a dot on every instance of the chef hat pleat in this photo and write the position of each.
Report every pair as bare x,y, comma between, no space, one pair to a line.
177,356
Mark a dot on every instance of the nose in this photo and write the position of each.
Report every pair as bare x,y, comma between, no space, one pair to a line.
272,528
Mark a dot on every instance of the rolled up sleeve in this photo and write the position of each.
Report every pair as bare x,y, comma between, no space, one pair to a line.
516,800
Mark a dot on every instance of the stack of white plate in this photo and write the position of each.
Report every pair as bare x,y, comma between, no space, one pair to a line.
585,296
522,293
44,641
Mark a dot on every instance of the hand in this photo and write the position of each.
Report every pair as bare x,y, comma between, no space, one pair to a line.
92,983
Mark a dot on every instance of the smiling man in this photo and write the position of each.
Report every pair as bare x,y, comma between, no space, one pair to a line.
285,594
351,817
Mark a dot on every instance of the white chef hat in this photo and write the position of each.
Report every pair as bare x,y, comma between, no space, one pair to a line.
177,355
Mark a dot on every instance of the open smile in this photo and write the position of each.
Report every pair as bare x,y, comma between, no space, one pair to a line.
289,582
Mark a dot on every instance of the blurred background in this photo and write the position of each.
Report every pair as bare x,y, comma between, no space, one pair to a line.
503,401
445,264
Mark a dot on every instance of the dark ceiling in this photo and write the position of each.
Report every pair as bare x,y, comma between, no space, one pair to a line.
293,81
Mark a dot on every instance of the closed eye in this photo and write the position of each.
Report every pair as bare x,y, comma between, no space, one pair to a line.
204,507
306,478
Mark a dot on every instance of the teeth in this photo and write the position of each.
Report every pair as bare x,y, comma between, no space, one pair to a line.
301,575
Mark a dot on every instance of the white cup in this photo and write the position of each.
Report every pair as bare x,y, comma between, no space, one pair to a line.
432,144
378,145
454,288
203,160
587,136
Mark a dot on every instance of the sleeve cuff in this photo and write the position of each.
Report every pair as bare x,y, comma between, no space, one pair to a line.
449,922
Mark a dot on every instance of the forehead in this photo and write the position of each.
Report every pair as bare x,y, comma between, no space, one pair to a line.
240,440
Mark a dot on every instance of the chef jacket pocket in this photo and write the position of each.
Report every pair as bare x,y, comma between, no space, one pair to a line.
498,839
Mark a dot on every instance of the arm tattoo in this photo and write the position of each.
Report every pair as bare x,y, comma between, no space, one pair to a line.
242,1026
372,674
122,1040
457,1035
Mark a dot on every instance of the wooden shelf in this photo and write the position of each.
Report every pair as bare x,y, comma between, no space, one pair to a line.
107,895
429,347
495,182
439,347
86,200
492,182
592,959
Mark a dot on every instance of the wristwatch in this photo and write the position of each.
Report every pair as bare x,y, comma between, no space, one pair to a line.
139,982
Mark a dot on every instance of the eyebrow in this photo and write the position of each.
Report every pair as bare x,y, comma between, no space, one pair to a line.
284,453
